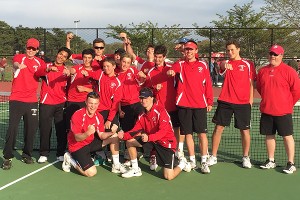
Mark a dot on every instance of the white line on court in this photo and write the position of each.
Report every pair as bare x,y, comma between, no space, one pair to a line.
34,172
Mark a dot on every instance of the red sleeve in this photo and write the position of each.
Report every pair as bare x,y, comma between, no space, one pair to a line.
137,129
208,88
295,86
41,71
176,67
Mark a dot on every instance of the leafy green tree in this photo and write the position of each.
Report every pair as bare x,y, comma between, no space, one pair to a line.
7,39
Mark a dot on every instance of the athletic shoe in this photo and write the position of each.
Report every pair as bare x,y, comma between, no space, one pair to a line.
204,168
179,154
28,160
290,168
246,162
108,156
66,165
187,165
7,164
60,158
212,160
268,165
132,172
42,159
153,164
100,158
127,163
119,168
193,165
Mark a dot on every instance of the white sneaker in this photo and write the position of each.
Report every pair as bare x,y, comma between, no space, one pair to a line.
42,159
66,165
179,154
290,168
119,168
268,164
132,172
153,164
204,168
187,165
60,158
127,163
212,160
193,165
246,162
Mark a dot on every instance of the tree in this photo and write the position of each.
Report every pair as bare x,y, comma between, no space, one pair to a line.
7,39
148,33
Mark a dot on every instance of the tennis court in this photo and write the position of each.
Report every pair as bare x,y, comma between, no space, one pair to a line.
226,181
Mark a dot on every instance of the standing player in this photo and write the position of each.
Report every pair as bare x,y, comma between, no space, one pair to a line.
86,136
153,130
236,98
52,104
194,99
279,87
23,102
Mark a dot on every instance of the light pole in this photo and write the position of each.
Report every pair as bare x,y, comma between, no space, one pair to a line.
76,22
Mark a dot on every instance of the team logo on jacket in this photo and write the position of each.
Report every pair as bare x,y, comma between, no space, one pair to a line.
129,75
112,85
241,67
154,120
35,67
200,69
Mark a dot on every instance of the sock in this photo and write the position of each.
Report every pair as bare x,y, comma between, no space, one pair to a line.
204,159
180,147
115,159
135,164
272,159
181,165
73,163
193,159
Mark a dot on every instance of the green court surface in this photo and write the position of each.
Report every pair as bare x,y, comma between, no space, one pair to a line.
227,181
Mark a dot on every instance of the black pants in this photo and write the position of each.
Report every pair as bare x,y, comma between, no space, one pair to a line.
132,112
46,116
29,112
71,108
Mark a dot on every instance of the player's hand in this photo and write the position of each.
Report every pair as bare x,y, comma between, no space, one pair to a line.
209,108
158,87
70,36
91,130
121,114
107,124
52,69
81,88
121,134
145,137
171,72
141,74
228,66
66,72
84,73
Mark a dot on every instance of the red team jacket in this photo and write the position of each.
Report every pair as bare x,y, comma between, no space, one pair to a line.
25,83
194,85
157,125
279,88
54,84
166,96
236,86
79,125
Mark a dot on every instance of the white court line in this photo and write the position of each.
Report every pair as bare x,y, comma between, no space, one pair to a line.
34,172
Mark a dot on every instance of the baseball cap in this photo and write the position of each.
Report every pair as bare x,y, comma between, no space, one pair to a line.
190,44
120,51
182,40
42,53
32,42
145,93
277,49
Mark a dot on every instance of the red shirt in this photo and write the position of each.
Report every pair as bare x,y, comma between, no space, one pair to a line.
78,79
166,95
157,125
25,83
236,86
144,65
79,125
131,86
194,85
54,84
110,92
279,88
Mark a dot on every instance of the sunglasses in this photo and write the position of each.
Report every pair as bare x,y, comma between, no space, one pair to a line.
95,47
31,48
273,54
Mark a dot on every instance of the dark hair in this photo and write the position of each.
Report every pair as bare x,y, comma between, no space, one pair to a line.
161,49
111,60
149,46
93,95
88,52
98,40
234,42
65,49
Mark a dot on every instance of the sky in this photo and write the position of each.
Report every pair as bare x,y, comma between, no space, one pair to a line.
101,13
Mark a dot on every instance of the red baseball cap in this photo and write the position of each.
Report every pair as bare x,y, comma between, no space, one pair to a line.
191,45
32,42
277,49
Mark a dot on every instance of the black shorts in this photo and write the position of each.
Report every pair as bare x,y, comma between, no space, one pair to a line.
174,118
83,156
115,120
132,113
242,115
270,124
165,157
192,120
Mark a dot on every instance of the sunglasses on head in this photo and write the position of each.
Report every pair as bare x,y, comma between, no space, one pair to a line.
95,47
273,54
31,48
